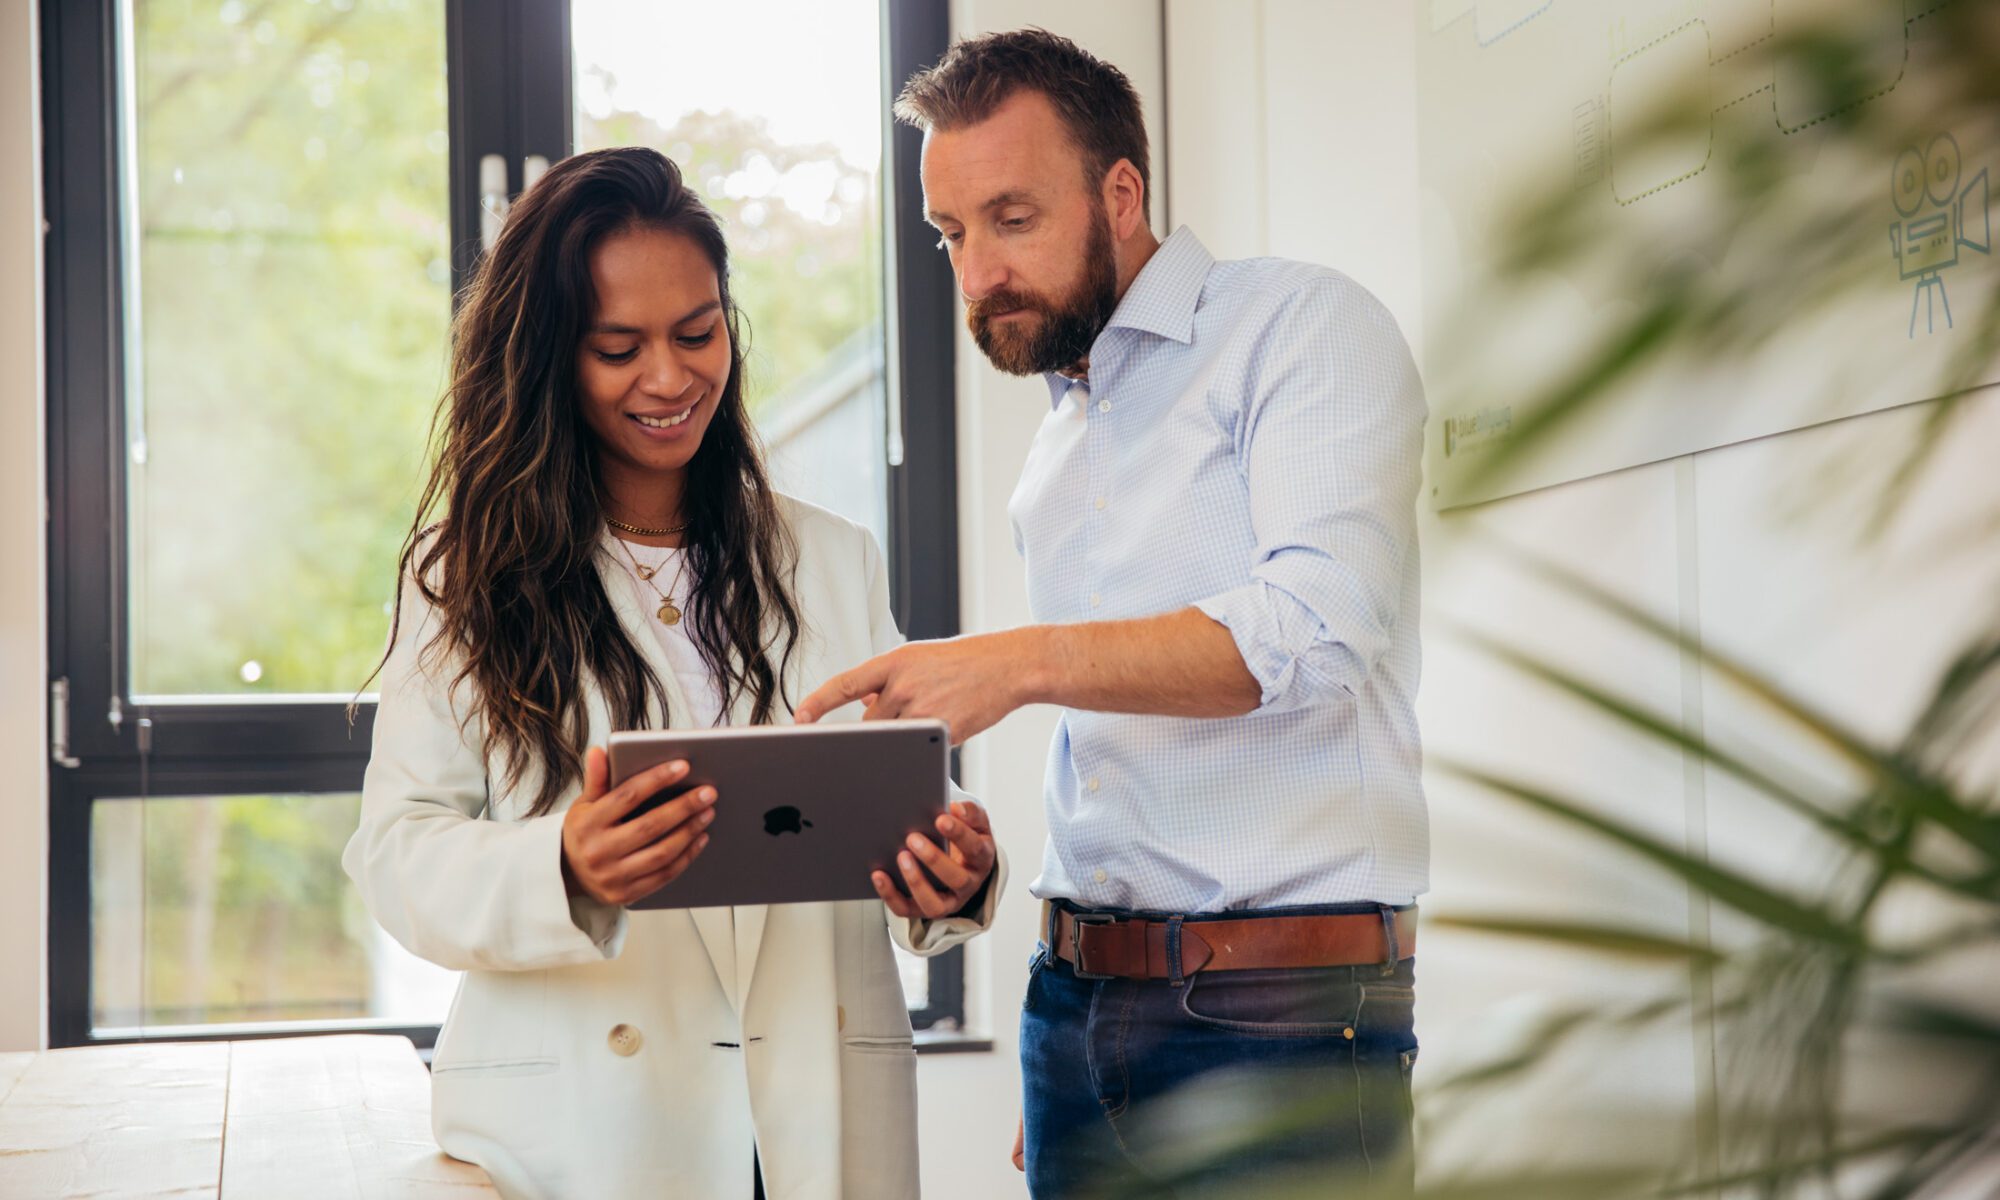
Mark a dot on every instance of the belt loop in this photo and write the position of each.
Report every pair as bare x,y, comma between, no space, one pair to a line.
1389,938
1051,921
1174,952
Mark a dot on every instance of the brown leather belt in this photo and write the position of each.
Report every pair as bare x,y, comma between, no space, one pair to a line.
1136,948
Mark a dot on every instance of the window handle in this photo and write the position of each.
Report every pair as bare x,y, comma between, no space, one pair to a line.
59,725
492,198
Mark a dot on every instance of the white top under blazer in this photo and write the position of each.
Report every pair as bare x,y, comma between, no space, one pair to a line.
596,1052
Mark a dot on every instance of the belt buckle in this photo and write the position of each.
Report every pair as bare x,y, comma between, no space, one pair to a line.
1077,922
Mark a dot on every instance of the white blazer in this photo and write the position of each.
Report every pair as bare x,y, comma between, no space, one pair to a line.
595,1052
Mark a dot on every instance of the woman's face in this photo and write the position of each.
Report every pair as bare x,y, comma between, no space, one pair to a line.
656,355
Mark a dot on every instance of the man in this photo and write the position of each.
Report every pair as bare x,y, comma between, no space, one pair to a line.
1217,519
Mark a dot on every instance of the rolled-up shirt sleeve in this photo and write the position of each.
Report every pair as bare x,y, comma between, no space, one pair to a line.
1330,443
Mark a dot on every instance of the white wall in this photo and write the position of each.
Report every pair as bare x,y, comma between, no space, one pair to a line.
23,634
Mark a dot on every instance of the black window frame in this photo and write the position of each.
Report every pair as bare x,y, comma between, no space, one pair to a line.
508,62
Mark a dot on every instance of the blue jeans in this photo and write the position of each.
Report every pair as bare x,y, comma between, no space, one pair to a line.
1138,1085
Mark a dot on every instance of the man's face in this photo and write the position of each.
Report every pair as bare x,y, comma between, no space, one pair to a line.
1029,239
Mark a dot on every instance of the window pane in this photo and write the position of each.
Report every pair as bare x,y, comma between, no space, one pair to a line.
786,145
234,909
916,979
287,238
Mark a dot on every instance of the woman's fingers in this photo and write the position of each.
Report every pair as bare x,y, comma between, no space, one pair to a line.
646,885
949,872
671,817
973,814
645,859
596,775
928,902
621,800
893,899
974,846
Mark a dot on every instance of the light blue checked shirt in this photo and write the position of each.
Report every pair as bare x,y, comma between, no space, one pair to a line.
1248,442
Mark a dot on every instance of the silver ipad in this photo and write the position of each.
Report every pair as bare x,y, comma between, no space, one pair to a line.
802,812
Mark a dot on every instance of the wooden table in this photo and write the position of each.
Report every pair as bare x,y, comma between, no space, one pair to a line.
299,1118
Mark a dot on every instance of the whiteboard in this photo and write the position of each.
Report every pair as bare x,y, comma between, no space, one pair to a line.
1544,94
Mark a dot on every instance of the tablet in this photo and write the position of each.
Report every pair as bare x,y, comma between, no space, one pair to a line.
802,812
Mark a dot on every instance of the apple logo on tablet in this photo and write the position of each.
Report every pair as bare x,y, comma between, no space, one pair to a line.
784,819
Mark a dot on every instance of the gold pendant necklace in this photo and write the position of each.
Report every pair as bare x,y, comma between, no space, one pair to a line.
668,612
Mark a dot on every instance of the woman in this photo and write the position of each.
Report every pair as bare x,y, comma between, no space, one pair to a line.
611,556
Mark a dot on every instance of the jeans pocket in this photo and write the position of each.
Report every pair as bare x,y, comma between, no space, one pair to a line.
1385,1055
1324,1003
1036,962
1386,1020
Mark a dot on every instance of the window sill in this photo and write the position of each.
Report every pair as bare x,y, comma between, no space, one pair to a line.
928,1041
931,1041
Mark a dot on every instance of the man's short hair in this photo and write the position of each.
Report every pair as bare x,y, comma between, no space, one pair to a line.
976,76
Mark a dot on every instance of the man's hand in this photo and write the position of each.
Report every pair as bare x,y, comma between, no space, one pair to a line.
1021,1143
969,683
963,870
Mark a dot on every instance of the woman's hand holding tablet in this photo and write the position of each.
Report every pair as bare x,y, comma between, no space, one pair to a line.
619,863
963,871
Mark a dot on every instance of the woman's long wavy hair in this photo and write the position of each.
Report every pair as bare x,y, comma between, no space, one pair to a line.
508,565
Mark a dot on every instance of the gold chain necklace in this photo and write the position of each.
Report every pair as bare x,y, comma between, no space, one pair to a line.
669,612
615,523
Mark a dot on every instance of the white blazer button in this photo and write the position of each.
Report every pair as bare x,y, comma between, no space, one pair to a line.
625,1040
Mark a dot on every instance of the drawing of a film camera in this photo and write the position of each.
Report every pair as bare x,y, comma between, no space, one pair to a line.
1937,219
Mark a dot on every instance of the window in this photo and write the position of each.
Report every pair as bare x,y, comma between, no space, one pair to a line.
786,145
285,217
233,910
260,214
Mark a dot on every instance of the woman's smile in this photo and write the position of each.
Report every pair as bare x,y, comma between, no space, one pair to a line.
665,426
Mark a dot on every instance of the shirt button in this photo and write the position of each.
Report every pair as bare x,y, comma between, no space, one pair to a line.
1095,600
1101,876
625,1040
1101,502
1093,783
1104,406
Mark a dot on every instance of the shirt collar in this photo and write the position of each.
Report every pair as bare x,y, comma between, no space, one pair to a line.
1162,299
1058,387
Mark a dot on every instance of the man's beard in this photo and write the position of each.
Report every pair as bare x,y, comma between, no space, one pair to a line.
1065,330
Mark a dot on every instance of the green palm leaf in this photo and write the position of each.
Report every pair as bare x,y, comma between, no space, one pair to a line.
1735,890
